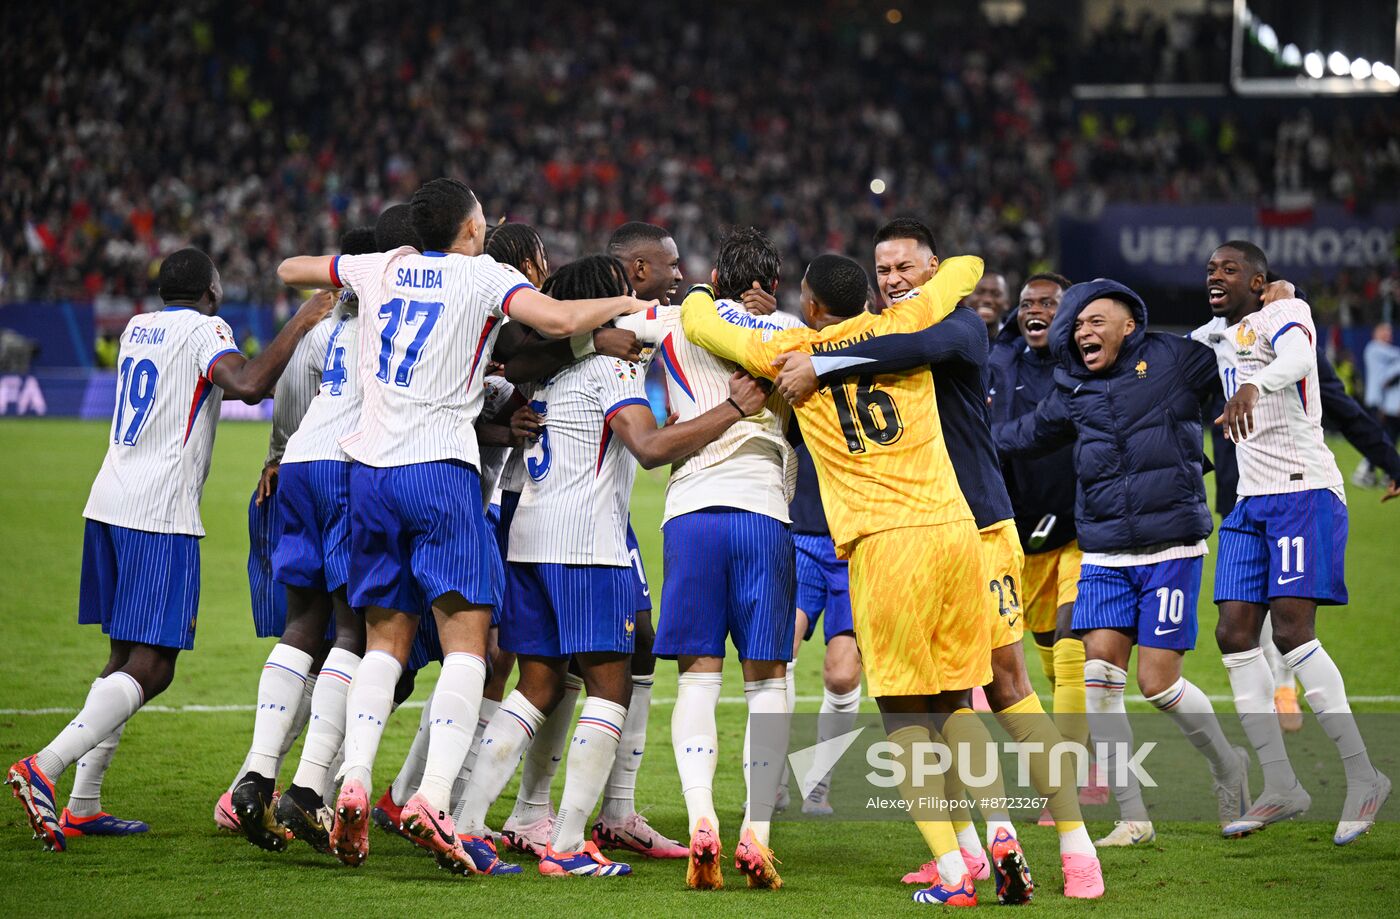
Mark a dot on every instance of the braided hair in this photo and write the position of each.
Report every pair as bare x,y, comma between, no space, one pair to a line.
588,278
515,244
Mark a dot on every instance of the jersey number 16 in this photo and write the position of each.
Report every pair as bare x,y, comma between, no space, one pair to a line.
872,413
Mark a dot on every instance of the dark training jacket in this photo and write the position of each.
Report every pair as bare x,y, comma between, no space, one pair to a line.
1022,378
1136,430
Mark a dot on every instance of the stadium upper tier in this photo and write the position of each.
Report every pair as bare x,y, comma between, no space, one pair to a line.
255,131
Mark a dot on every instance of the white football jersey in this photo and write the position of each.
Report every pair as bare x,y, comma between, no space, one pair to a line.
162,432
334,411
296,387
427,323
499,391
1286,452
761,474
573,509
513,476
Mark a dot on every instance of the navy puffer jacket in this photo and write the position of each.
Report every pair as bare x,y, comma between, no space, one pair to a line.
1136,430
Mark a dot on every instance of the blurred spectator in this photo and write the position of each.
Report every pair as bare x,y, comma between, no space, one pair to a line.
257,131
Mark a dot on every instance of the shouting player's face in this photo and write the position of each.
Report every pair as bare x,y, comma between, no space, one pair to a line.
655,270
1099,331
902,265
1039,302
1232,286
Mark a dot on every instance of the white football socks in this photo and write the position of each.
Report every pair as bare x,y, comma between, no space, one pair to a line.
1253,688
591,755
836,716
1112,733
619,795
325,733
764,752
367,706
456,701
504,739
1193,714
86,798
695,740
299,719
280,691
1327,697
488,710
411,772
543,757
110,702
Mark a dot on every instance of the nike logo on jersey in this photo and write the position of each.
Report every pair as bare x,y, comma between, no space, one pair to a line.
1282,581
1161,631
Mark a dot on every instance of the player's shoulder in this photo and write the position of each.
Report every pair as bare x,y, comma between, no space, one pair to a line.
733,312
1205,334
1280,314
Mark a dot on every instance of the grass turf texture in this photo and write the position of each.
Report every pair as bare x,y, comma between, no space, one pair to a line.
171,767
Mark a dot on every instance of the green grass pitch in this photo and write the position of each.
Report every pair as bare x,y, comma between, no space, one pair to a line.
171,766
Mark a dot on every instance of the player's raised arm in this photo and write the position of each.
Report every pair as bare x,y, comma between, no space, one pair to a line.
559,319
308,272
745,347
653,446
1048,428
935,299
252,380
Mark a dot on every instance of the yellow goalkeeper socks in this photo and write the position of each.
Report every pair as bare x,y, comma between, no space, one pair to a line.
1069,690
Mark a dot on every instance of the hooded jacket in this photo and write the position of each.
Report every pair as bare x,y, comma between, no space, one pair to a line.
1136,430
1022,378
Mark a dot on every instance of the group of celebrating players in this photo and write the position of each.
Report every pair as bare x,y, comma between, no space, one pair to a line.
455,440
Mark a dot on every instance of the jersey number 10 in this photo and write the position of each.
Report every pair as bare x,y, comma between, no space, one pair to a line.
872,413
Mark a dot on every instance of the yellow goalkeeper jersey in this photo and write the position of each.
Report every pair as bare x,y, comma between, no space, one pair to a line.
876,440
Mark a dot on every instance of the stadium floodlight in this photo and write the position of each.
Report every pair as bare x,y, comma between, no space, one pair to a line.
877,186
1313,65
1338,63
1360,69
1291,55
1268,38
1386,73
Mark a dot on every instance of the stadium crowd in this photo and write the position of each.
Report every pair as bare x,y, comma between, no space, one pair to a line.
255,137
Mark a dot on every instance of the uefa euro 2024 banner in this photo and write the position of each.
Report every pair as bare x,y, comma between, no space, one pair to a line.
1169,245
80,392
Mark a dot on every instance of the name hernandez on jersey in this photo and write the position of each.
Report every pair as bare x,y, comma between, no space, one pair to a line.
427,322
163,422
762,473
578,483
1286,452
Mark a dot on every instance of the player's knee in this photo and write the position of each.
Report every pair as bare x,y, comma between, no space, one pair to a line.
1290,635
1154,684
153,669
404,688
840,676
1232,638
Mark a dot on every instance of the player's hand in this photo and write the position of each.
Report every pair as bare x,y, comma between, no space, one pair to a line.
317,306
671,419
618,343
267,483
1392,491
796,378
759,301
526,423
1278,290
1238,417
747,392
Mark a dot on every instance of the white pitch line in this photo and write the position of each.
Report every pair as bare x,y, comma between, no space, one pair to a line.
726,700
